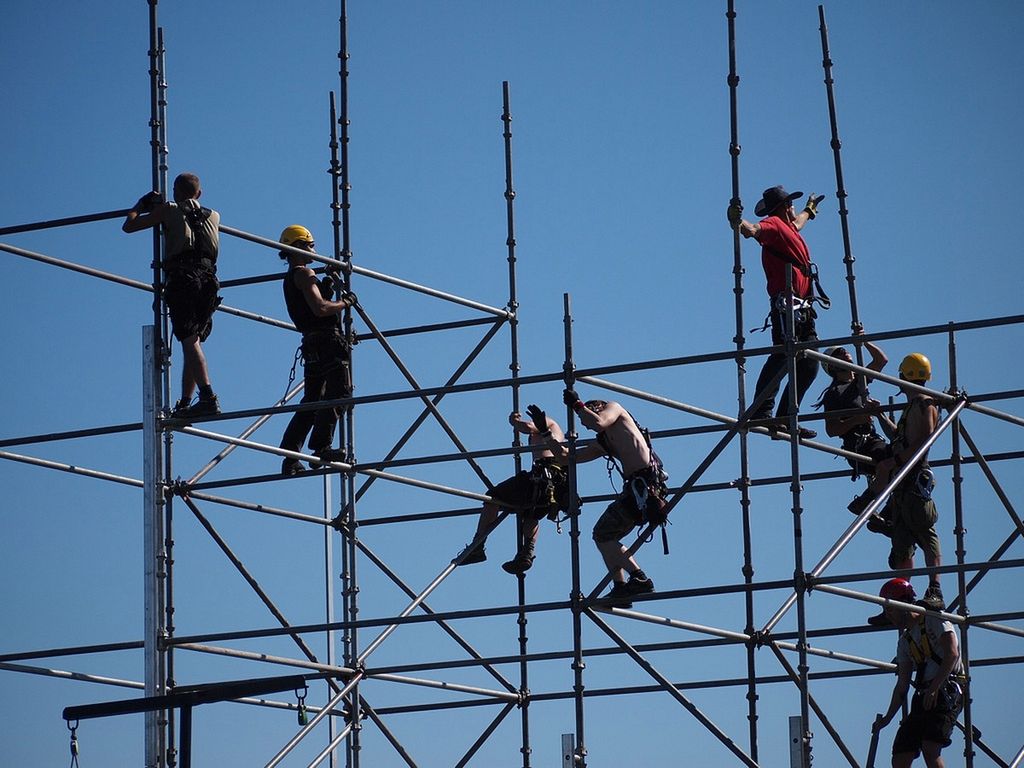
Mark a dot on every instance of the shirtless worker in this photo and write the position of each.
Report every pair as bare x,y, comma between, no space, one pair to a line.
532,494
641,500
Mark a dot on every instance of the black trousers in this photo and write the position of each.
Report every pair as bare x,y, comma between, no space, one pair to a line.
328,377
806,369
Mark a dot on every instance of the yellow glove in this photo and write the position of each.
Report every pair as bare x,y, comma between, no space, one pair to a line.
812,204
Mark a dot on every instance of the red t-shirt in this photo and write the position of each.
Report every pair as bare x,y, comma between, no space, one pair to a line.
781,244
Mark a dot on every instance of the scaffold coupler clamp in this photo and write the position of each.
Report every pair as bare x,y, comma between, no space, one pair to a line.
804,582
740,483
178,487
343,521
524,697
760,637
959,394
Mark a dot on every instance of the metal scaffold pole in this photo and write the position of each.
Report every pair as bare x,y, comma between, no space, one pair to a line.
156,462
513,308
792,364
743,481
341,204
836,144
576,598
961,549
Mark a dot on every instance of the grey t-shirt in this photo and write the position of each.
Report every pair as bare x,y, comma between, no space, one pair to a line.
180,235
933,628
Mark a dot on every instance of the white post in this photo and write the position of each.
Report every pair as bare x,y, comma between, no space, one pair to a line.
153,546
568,749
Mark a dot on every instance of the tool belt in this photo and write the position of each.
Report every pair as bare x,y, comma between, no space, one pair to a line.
187,261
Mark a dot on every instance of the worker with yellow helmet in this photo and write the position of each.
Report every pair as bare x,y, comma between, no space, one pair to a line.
912,508
326,353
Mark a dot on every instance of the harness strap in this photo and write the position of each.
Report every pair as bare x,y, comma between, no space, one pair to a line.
818,294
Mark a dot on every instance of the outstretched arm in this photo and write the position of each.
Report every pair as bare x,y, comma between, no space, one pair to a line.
809,212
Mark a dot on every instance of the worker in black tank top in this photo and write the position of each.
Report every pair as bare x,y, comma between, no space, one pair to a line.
326,354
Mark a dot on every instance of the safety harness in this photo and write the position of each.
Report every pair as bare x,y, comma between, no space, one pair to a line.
923,651
803,307
923,480
202,244
648,485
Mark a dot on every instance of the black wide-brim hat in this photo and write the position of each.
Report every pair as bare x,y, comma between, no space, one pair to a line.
772,198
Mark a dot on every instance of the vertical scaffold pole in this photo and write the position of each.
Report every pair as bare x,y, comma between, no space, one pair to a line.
343,251
744,479
153,541
576,597
799,577
156,358
961,550
513,306
165,388
343,428
851,279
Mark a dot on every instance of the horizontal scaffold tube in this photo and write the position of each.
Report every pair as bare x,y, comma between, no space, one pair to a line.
345,672
340,265
336,464
137,284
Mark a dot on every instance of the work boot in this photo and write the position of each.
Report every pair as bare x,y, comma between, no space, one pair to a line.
878,524
292,467
330,454
639,584
205,406
521,563
879,620
471,555
933,597
180,408
861,502
779,430
619,595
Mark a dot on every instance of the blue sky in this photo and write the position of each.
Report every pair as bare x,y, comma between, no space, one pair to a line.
621,132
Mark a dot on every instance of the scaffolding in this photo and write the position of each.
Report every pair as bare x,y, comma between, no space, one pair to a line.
348,708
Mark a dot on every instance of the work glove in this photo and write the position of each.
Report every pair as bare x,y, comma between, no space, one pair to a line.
349,298
812,204
569,397
327,285
734,214
147,201
539,418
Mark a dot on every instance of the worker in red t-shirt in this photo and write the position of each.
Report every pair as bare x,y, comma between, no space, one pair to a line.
782,247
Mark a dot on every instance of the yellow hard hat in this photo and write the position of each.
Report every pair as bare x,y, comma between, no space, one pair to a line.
295,233
915,367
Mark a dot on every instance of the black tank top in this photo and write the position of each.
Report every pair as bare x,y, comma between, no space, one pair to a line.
299,311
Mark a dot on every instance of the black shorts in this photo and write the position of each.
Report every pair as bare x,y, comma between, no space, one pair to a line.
535,493
191,296
934,725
